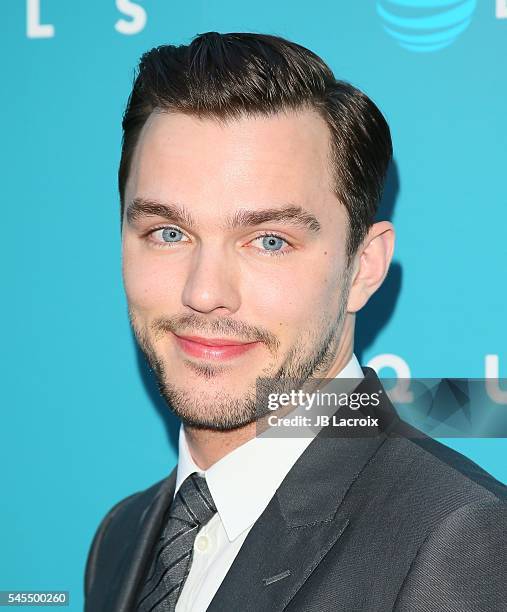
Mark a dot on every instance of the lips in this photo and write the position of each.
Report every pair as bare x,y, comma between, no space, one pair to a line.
213,348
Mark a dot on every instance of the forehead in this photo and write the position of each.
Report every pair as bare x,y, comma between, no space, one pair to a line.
181,157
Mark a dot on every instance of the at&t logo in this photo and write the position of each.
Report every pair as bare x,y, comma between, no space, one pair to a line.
425,25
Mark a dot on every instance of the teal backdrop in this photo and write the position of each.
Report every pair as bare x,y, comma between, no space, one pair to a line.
81,425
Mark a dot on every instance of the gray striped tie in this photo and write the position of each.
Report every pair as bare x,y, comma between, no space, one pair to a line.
192,507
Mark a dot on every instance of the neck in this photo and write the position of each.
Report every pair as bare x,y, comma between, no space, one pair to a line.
209,446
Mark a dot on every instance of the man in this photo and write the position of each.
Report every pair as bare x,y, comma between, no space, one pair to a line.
249,182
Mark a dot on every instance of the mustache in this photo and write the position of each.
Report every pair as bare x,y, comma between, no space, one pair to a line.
223,327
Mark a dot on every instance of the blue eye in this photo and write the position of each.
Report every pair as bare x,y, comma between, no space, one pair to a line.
170,234
272,243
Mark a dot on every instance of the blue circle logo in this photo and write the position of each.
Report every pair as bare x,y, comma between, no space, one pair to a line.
425,25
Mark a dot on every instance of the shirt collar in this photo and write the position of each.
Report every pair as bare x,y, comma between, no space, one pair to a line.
243,482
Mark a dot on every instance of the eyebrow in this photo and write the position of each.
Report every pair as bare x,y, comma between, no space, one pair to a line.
142,207
290,214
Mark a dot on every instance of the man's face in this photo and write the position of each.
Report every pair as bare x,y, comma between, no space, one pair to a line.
234,258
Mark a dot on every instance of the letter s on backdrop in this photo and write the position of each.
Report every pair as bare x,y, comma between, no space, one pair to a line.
133,10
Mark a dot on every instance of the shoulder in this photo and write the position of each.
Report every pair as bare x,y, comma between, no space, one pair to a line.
115,533
418,482
437,472
461,562
455,513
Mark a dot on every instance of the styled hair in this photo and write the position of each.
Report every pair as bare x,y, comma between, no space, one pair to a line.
224,76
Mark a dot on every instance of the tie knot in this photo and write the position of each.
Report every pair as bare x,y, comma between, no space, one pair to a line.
193,502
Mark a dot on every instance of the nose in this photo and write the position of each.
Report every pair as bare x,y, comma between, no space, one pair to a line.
212,281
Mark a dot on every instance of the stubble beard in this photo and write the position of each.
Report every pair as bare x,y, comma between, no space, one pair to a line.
220,410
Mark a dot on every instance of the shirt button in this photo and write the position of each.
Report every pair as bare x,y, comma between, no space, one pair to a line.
202,543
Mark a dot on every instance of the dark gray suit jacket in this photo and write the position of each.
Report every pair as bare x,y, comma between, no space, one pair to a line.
389,521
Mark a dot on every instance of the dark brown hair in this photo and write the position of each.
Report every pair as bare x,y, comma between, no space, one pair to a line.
224,76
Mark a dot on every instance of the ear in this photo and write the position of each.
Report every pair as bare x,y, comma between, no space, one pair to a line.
371,264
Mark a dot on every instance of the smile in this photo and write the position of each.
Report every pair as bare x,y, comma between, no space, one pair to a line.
213,348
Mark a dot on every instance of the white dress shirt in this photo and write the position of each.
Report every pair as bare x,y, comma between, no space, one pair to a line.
242,484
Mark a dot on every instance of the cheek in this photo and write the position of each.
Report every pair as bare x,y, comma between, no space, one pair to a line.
292,299
150,285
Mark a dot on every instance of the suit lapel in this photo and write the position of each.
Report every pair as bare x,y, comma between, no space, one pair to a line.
305,517
137,558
